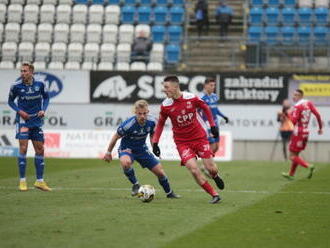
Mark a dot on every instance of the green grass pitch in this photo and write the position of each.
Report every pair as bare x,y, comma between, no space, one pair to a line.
91,206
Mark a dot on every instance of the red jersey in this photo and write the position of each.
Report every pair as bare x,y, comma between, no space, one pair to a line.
183,115
301,115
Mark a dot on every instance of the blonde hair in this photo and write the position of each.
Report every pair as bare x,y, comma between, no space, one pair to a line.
31,67
140,104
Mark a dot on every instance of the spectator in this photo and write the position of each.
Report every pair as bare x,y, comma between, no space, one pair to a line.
201,16
224,15
141,47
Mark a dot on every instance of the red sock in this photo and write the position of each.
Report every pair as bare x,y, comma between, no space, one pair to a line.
293,169
298,160
209,189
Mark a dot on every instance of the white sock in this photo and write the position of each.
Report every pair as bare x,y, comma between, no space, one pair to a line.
23,179
40,180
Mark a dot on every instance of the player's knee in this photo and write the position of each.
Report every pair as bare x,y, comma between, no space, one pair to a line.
125,164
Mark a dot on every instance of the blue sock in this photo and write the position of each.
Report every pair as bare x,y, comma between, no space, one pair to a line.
163,181
39,163
21,160
130,174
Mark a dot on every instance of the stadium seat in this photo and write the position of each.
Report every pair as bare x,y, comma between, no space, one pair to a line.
154,66
126,32
3,12
138,66
288,35
254,33
144,14
176,15
110,33
112,14
91,52
1,32
9,51
25,51
77,33
47,13
321,3
160,15
178,2
79,14
157,53
320,35
305,3
63,13
37,2
31,13
96,13
61,32
272,35
21,2
101,2
174,34
72,65
75,52
129,2
114,2
107,52
69,2
6,65
172,54
28,32
142,27
161,2
321,15
146,2
158,34
14,13
41,52
123,52
305,15
39,65
55,65
289,3
257,3
256,16
94,32
12,31
89,66
304,34
58,51
289,16
81,1
5,2
272,16
128,14
273,3
122,66
105,66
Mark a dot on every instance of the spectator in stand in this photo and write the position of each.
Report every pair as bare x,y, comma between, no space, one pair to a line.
141,47
201,16
224,15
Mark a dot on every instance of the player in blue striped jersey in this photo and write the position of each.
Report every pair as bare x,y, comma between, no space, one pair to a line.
133,134
30,99
212,100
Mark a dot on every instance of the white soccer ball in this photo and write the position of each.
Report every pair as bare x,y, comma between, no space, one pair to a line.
146,193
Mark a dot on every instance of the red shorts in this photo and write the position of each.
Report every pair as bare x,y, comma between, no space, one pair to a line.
192,149
298,142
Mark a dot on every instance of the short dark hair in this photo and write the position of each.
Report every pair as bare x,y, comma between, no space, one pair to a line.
209,80
301,92
171,78
31,67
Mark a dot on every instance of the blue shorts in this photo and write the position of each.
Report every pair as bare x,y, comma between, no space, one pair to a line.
210,137
144,158
32,133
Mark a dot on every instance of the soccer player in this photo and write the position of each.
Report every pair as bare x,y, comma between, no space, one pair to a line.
189,136
133,133
30,106
212,100
300,117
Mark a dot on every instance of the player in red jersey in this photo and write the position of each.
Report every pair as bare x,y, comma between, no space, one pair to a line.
300,117
189,136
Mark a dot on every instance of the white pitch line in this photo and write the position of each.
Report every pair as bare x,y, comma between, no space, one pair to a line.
178,190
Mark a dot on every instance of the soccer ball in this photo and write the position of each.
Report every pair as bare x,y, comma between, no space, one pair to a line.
146,193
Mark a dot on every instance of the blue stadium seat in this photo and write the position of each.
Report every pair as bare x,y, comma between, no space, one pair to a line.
289,3
272,35
321,15
158,34
178,2
161,2
304,34
144,14
305,15
288,35
160,15
172,54
114,2
129,2
254,33
289,16
272,16
274,3
320,35
256,16
146,2
98,2
256,3
128,14
174,34
176,15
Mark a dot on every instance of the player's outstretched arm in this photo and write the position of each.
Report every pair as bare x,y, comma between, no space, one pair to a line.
318,117
108,155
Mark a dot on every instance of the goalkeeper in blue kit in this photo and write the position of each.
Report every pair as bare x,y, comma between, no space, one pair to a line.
30,99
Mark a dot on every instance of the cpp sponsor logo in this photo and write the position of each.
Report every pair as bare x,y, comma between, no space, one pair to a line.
53,83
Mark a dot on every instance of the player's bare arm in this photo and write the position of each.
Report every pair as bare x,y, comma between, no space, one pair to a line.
41,113
108,155
24,115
